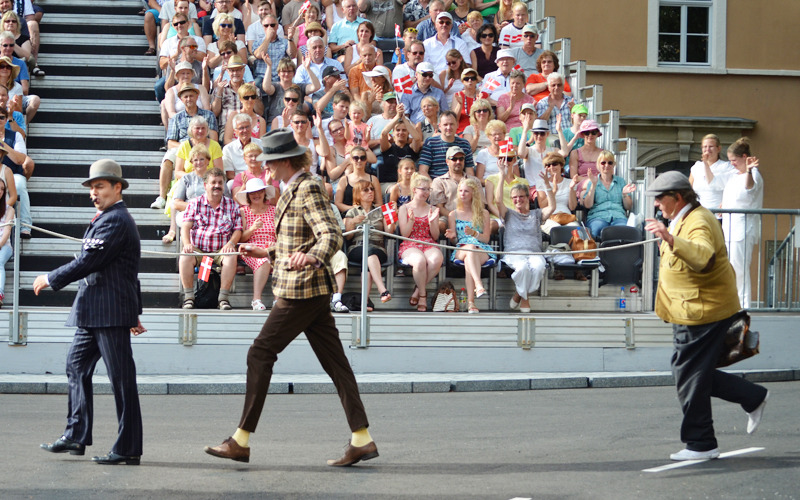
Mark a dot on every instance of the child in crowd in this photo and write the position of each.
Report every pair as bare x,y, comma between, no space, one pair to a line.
400,193
357,129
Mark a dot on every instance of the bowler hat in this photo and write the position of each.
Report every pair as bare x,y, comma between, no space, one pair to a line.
669,181
106,169
279,144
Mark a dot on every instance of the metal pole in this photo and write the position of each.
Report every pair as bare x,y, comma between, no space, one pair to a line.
15,330
364,278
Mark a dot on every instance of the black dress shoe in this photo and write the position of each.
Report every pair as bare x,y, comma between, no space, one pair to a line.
114,459
63,445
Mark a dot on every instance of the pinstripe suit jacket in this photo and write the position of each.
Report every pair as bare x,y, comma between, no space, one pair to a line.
304,222
108,269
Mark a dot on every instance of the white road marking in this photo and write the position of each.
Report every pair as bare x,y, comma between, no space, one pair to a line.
686,463
520,498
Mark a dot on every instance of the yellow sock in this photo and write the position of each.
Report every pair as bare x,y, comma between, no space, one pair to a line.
361,438
242,438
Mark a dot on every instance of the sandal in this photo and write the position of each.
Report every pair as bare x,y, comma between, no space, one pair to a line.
168,238
37,71
224,305
580,276
413,300
188,304
558,275
480,292
472,309
151,51
422,306
386,296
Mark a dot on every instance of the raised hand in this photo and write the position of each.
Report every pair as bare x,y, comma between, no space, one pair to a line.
575,181
593,176
629,188
558,123
433,215
751,162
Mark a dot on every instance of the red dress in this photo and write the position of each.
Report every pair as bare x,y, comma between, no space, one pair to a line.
463,121
421,231
263,236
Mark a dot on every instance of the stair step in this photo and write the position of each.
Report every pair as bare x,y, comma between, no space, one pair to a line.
90,136
57,247
72,20
122,8
90,111
81,157
98,65
73,185
91,83
69,215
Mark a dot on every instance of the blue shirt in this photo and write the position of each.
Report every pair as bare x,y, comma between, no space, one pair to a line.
413,102
277,50
179,124
607,201
20,119
426,30
434,155
344,31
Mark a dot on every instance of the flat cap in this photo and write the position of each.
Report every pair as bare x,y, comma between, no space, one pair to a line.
669,181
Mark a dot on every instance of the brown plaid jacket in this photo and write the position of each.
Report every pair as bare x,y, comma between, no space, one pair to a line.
304,222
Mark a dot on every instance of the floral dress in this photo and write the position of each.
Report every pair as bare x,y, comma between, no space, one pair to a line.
420,231
464,239
263,236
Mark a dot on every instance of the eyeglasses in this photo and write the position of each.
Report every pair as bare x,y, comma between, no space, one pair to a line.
552,164
591,132
412,30
444,22
225,25
336,130
519,197
426,75
529,35
423,188
11,21
226,53
291,99
250,97
299,122
457,158
179,23
539,133
452,63
611,162
469,79
417,52
482,110
368,189
359,158
270,25
487,35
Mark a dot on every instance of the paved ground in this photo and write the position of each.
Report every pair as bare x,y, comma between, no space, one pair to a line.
578,443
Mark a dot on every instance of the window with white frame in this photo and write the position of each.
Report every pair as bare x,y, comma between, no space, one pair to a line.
684,32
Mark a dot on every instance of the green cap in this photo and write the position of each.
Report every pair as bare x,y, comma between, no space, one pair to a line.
389,95
580,108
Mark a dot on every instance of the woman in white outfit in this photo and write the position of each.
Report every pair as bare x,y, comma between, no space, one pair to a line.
744,189
523,234
708,176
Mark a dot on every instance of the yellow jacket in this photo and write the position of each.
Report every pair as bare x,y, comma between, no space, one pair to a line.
696,283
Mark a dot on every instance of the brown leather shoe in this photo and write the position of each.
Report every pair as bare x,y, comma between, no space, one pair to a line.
354,455
230,449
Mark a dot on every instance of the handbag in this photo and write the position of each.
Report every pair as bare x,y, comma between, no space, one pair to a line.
562,218
583,245
206,293
740,342
445,299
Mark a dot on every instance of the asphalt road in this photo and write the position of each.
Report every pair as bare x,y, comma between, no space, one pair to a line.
579,443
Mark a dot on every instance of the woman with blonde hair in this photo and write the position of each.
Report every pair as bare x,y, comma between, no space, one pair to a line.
563,189
469,227
22,43
187,188
345,195
479,116
8,74
607,196
486,158
224,30
248,96
703,174
419,221
430,110
463,100
450,78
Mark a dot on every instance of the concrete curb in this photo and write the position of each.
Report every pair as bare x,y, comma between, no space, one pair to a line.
376,383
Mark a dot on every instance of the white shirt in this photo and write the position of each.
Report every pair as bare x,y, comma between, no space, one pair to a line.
501,86
738,226
233,157
170,45
710,194
435,51
506,35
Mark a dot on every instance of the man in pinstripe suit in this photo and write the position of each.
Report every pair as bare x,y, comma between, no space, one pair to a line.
307,237
106,312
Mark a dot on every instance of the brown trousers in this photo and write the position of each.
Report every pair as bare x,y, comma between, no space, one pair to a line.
285,322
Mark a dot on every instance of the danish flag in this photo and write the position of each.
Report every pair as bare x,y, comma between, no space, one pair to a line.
517,67
491,84
403,85
506,146
205,268
397,31
389,213
304,7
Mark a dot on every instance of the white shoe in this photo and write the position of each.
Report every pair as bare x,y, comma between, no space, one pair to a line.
338,307
687,454
754,417
513,304
159,204
524,309
258,305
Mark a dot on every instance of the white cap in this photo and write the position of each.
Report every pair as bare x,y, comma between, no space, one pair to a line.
425,67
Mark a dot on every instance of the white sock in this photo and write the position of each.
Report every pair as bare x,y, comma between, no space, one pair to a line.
336,297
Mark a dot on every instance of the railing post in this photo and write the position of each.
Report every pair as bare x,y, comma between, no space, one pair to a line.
364,333
17,338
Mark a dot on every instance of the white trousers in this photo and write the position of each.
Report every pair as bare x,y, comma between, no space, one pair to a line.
528,272
740,254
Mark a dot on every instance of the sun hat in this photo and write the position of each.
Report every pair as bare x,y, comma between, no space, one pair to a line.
588,125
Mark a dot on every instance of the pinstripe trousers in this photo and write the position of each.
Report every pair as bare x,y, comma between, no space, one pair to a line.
113,344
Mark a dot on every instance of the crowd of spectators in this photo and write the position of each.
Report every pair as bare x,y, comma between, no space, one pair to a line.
468,114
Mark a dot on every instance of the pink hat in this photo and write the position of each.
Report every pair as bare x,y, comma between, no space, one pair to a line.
588,125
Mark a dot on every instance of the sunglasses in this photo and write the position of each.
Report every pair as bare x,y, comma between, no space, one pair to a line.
8,45
426,75
539,133
3,117
552,164
469,78
457,158
226,53
591,132
299,122
178,23
487,35
607,162
417,52
482,110
291,99
452,63
412,30
529,35
225,25
337,130
360,158
250,97
445,22
368,189
270,25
